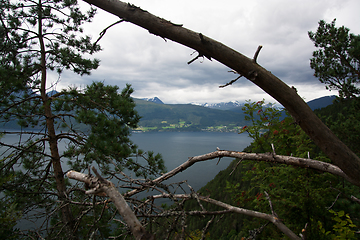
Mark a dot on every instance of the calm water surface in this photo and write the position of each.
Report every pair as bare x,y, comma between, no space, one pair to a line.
177,147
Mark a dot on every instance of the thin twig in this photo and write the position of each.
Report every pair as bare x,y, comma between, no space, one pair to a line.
257,53
231,82
271,206
334,201
236,166
104,31
193,193
273,148
192,60
203,234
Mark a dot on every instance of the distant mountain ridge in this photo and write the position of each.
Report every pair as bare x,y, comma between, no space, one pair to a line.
236,106
221,105
224,116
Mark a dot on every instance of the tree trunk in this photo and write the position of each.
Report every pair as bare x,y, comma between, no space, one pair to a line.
337,151
66,214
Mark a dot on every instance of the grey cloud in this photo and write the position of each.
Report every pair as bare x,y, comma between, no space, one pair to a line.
158,68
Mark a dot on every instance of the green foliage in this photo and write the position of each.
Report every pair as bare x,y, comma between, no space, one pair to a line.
267,126
343,229
336,63
194,235
299,196
9,214
342,118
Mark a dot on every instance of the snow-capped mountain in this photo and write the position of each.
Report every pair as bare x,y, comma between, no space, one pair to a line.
154,100
222,105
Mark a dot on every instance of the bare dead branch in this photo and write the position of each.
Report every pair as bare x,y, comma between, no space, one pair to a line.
266,157
195,58
253,233
270,204
237,164
355,199
273,148
334,201
99,184
271,218
203,234
231,82
102,33
195,195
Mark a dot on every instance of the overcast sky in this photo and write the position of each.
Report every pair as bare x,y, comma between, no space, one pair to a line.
158,68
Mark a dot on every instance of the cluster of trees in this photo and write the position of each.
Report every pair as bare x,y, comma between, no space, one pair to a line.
38,38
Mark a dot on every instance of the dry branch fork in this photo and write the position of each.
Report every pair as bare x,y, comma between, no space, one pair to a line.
99,185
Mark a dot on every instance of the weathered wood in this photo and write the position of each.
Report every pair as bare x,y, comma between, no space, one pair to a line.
98,185
266,157
269,217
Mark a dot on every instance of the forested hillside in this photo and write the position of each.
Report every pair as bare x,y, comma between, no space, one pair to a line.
310,201
186,117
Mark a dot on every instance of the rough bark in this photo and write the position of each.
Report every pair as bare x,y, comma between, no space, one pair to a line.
98,185
337,151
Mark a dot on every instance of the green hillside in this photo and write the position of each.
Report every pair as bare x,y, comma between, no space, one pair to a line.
181,117
185,117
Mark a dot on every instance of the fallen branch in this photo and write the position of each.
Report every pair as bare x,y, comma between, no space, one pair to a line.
266,157
271,218
98,185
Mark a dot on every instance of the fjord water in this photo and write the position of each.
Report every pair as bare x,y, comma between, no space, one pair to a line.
177,147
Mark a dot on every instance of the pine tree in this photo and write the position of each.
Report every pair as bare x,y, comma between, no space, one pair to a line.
336,62
39,38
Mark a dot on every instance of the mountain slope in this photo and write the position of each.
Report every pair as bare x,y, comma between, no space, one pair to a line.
321,102
154,100
192,118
